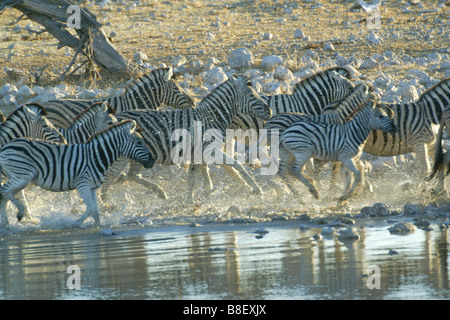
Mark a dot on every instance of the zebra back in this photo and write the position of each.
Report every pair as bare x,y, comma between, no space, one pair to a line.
417,123
150,91
28,120
336,113
214,112
96,118
309,96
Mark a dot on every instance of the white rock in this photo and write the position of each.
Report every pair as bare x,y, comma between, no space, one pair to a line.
210,36
374,38
408,93
267,36
328,47
140,56
369,64
8,99
282,73
215,76
445,65
241,58
349,234
38,90
24,91
298,34
178,61
271,88
271,61
8,88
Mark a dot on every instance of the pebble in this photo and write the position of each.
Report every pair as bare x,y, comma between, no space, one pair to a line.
328,47
317,237
402,228
140,56
298,34
392,252
271,62
215,76
241,58
349,234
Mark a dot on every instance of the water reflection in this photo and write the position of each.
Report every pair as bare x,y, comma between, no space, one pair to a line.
189,263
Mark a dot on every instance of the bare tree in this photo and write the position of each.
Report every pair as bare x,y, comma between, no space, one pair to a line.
89,39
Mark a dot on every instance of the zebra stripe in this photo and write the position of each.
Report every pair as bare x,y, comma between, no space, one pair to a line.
96,118
441,159
215,111
330,142
62,167
338,112
417,124
310,96
148,92
28,121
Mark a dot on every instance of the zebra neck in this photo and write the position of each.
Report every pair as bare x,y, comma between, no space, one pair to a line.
359,126
135,97
15,128
217,113
104,151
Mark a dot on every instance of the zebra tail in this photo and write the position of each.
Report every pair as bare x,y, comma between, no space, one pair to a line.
438,153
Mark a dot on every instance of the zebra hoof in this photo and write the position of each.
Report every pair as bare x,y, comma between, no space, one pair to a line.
257,190
20,216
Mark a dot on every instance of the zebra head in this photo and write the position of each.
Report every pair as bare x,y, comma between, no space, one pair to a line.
380,119
170,93
99,116
39,126
250,101
133,146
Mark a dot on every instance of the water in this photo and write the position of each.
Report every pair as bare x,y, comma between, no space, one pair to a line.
222,261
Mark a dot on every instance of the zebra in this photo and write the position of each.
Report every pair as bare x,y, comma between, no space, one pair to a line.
96,118
331,142
148,92
441,159
213,113
28,120
338,112
310,96
417,123
61,167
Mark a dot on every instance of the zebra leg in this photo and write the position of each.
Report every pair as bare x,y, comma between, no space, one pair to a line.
207,177
90,200
350,164
298,169
25,204
228,160
192,179
286,159
9,190
134,174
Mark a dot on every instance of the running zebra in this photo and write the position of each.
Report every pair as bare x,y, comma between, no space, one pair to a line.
212,115
441,159
96,118
336,113
310,96
152,90
417,125
61,167
28,121
330,142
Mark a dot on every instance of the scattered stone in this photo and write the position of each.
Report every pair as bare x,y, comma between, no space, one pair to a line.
8,88
422,223
298,34
304,227
241,58
443,226
392,252
271,62
305,217
24,91
317,237
328,231
234,210
261,231
283,74
328,47
178,61
374,38
215,76
347,221
140,56
349,234
411,209
108,232
402,228
377,210
369,64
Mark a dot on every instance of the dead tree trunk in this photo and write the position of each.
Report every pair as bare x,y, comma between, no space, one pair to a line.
89,40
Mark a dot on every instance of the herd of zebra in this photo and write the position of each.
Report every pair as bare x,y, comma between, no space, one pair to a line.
67,144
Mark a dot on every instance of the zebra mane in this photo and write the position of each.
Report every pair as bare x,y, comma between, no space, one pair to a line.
155,73
90,111
442,83
111,127
312,78
21,108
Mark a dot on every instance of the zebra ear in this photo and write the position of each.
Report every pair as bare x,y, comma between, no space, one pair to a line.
132,125
168,75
